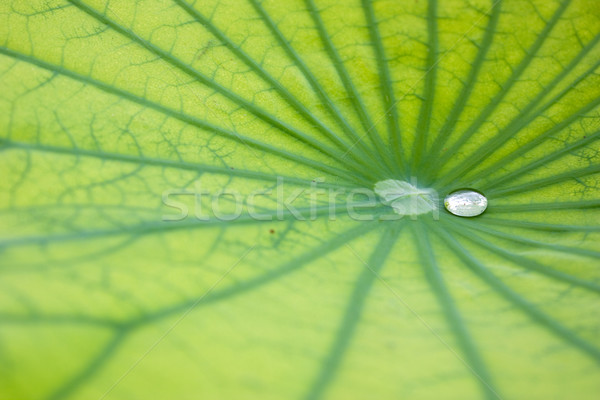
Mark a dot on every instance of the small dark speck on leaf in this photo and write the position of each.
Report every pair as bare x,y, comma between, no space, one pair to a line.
271,231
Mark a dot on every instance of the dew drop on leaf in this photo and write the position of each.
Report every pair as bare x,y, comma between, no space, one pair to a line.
466,203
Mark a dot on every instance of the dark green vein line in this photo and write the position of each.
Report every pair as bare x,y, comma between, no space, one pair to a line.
257,111
318,89
467,89
353,95
523,262
525,148
446,182
235,49
544,207
74,261
186,118
285,269
496,101
474,361
168,226
524,119
546,159
529,242
174,325
540,226
540,183
387,90
527,115
424,122
158,162
515,298
236,289
95,364
349,323
211,297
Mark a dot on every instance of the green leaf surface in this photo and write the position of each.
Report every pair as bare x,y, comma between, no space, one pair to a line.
112,109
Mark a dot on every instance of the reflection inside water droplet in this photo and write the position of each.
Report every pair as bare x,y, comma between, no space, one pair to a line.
466,203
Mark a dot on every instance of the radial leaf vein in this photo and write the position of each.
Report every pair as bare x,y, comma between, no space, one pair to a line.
205,80
351,317
461,100
244,140
516,299
505,88
387,90
474,360
424,121
524,262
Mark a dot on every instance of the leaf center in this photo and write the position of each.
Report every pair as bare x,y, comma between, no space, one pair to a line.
406,198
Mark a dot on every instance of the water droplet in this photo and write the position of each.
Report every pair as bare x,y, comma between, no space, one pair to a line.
466,203
405,198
